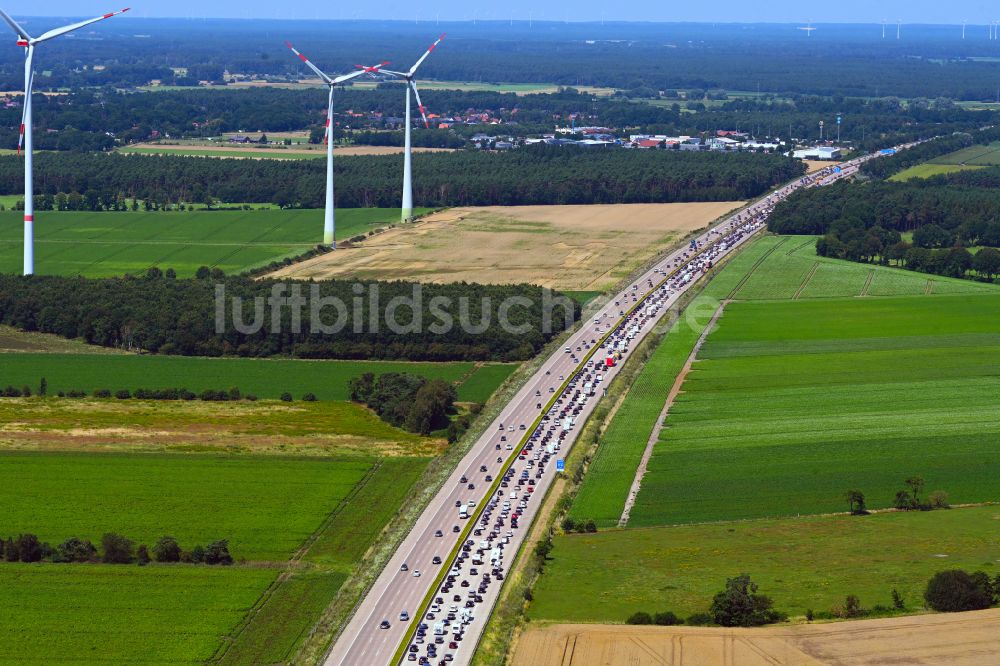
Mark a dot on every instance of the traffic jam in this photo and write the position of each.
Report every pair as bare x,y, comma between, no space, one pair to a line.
471,586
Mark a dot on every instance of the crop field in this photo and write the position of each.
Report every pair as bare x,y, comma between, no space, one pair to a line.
122,614
602,494
104,243
575,248
802,563
976,155
791,404
792,270
265,506
266,428
929,170
265,378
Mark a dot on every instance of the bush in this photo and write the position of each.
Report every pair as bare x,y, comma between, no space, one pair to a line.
117,549
309,397
166,549
939,499
699,620
956,590
142,555
639,618
217,552
810,616
77,550
102,393
197,555
123,394
27,548
739,605
286,397
667,619
897,600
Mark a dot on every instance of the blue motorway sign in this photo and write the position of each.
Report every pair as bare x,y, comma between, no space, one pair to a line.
560,465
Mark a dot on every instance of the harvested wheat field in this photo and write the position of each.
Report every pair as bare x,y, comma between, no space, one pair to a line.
956,639
584,248
812,166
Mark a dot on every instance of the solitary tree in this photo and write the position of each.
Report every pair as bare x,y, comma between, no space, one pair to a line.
739,605
916,484
856,502
956,590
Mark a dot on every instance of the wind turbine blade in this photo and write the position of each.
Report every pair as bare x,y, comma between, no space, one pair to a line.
24,106
322,75
420,105
347,77
424,56
21,33
75,26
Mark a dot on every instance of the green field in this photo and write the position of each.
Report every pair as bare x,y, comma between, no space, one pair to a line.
122,614
803,563
267,507
792,404
266,378
792,270
602,495
105,243
929,170
771,268
802,392
976,155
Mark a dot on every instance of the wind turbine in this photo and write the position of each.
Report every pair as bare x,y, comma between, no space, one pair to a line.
25,139
809,29
899,25
407,213
328,220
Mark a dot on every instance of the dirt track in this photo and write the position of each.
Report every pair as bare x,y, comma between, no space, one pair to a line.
565,247
956,639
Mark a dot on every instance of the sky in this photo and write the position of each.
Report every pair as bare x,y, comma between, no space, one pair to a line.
742,11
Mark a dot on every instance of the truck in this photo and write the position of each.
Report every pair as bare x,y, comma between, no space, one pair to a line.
588,388
567,423
463,511
439,628
609,362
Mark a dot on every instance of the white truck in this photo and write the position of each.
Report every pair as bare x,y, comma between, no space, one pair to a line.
463,511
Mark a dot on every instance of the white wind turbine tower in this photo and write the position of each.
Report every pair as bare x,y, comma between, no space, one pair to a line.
29,43
809,29
407,213
328,220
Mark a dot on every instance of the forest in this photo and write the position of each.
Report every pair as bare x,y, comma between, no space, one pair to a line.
847,60
200,317
534,175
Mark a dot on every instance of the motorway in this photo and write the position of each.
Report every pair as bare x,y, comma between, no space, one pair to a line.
508,470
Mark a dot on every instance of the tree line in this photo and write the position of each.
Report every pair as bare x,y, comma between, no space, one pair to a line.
114,549
158,314
533,175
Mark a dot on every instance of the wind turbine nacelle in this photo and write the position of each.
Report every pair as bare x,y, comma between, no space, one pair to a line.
22,42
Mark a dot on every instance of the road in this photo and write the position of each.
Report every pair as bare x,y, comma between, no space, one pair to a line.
534,419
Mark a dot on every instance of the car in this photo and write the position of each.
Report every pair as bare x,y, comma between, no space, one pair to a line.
416,573
438,533
471,486
404,567
456,529
436,560
384,624
464,479
411,657
482,468
488,478
404,615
